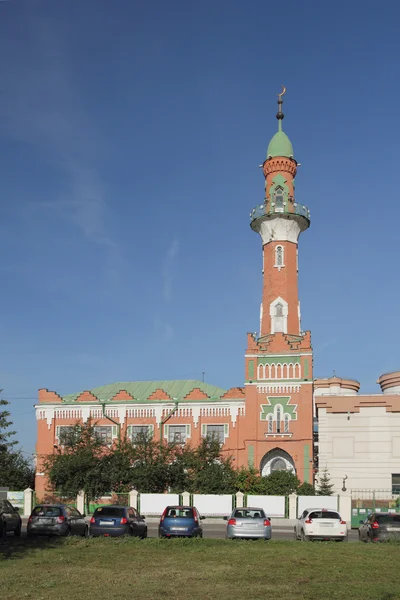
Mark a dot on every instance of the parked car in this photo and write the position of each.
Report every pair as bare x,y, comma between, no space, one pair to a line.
379,527
180,521
56,519
320,524
113,521
248,523
10,519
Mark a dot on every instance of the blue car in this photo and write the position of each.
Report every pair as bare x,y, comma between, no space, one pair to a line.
180,521
113,521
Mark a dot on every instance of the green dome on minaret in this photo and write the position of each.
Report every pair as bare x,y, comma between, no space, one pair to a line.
280,145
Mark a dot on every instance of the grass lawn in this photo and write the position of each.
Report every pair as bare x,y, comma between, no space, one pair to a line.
129,568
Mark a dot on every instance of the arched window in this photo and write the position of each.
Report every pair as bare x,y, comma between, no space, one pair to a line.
278,465
278,419
279,314
278,199
279,256
286,423
279,317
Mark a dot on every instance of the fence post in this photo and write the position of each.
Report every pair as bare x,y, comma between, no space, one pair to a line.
239,499
133,499
28,501
293,506
345,508
186,498
80,502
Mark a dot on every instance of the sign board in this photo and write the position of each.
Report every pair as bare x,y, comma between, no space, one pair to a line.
16,499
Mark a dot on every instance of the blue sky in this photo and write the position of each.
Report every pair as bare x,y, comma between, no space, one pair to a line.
130,139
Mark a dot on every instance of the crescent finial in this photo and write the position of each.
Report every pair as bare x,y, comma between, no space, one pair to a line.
282,92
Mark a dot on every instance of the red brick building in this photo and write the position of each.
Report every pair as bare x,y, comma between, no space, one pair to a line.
268,422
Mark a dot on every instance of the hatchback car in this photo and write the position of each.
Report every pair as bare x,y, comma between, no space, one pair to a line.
113,521
320,524
182,521
248,523
380,527
56,519
10,519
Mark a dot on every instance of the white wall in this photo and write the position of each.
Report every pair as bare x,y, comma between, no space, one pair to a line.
274,506
365,446
154,504
304,502
213,505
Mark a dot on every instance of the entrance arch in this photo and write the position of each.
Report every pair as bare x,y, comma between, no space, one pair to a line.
276,460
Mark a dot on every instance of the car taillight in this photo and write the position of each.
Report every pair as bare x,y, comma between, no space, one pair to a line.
267,523
308,521
92,520
232,522
30,519
124,521
343,522
60,520
163,516
375,525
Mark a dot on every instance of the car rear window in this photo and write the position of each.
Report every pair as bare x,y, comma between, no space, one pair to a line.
46,511
388,518
109,511
244,513
324,514
182,513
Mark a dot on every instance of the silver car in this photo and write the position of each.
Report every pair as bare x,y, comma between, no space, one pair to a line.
248,523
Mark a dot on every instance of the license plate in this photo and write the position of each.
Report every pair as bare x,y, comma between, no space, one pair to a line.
326,524
106,522
396,529
45,521
178,528
252,525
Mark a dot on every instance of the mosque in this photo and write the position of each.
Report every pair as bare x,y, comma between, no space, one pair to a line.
281,418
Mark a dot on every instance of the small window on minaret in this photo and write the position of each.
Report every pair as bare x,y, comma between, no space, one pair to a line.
279,256
279,318
279,198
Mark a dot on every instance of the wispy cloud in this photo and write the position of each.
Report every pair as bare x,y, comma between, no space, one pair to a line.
40,105
163,331
168,269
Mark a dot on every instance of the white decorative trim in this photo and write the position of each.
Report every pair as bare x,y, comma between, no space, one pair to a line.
277,355
278,435
280,371
278,388
280,229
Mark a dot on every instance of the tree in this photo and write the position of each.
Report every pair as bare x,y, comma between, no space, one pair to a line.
281,483
16,471
306,489
325,487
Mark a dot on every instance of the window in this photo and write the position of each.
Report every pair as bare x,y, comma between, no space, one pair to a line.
139,432
396,483
286,423
278,465
249,513
104,434
278,419
279,256
177,434
279,315
278,199
216,432
65,435
270,424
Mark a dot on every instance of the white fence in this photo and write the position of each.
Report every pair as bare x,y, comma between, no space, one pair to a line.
213,505
274,506
304,502
154,504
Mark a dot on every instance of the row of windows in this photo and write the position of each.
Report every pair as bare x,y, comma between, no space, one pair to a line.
276,424
174,433
279,371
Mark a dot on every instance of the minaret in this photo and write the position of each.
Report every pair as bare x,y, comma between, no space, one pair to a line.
278,387
279,221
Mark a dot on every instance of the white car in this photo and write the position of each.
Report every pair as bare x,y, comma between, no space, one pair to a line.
320,524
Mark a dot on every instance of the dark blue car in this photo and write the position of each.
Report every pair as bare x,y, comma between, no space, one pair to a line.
112,521
180,521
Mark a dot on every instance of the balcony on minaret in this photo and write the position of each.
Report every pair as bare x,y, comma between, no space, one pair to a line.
263,211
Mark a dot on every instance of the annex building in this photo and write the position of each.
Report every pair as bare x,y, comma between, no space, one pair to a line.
269,422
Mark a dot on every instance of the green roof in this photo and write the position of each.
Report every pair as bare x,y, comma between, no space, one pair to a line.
141,390
280,145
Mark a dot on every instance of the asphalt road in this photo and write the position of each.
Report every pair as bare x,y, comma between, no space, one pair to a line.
216,530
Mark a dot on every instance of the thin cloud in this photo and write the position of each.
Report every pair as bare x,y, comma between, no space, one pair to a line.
168,270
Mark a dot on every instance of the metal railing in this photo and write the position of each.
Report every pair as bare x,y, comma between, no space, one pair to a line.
288,208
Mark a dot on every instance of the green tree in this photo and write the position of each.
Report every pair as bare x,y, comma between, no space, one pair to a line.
16,471
306,489
325,487
281,483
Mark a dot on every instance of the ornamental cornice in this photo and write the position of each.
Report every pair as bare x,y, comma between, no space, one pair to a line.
280,164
